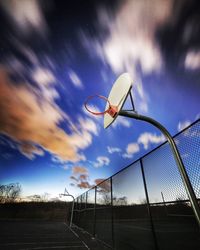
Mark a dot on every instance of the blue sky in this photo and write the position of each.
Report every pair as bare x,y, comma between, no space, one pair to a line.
54,54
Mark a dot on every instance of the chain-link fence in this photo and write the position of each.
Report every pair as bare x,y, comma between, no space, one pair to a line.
145,205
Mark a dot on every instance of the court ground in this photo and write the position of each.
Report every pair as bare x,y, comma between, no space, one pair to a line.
40,235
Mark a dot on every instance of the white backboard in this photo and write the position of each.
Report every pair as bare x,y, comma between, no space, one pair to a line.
117,97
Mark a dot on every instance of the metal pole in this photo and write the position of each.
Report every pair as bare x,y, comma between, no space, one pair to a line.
112,216
72,210
72,213
132,102
164,203
183,173
148,205
95,202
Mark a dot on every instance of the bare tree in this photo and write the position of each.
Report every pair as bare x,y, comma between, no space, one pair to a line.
10,192
2,190
106,198
45,197
120,201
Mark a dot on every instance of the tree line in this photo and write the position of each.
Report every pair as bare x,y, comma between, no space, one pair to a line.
10,192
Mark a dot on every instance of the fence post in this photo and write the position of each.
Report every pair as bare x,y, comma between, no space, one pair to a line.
148,205
95,199
78,213
85,212
164,203
86,199
112,218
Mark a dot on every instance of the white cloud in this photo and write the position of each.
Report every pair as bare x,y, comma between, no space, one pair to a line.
127,156
55,159
75,79
143,107
81,138
104,76
101,161
148,138
65,167
121,121
88,125
92,108
26,15
81,157
131,40
184,124
192,60
112,150
29,53
46,81
131,149
43,77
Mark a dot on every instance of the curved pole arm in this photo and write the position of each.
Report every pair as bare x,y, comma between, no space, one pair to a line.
182,171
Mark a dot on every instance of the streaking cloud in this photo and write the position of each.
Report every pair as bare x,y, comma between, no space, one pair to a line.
75,79
121,121
112,150
35,121
192,60
131,149
131,41
148,138
80,177
78,170
101,161
26,15
30,151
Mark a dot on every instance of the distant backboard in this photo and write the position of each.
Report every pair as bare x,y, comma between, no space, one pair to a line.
117,97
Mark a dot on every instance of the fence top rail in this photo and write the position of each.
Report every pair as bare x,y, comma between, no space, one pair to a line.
139,159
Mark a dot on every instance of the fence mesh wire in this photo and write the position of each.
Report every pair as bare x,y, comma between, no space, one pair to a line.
145,205
130,210
162,175
188,143
103,227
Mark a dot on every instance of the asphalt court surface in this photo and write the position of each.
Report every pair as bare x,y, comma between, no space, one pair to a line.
38,235
172,234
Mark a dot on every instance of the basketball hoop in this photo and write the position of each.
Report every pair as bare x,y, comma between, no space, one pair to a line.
111,110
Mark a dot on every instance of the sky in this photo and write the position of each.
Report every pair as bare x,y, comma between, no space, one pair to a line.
54,54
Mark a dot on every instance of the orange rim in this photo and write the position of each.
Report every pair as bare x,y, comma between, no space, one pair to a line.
93,112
